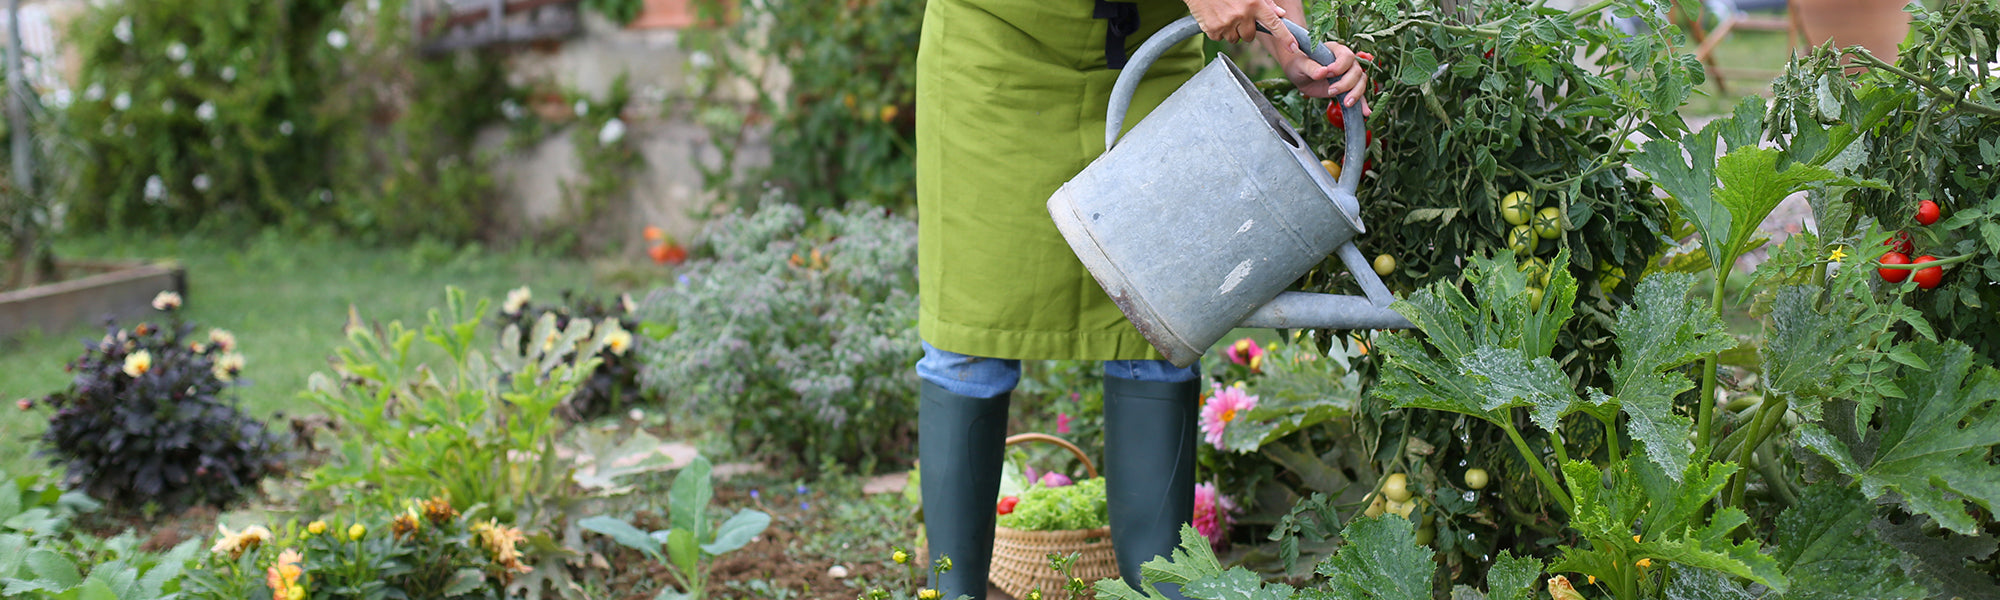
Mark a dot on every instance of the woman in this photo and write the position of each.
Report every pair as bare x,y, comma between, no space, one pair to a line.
1011,101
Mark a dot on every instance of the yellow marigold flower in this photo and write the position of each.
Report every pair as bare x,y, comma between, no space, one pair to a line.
439,510
283,576
316,527
138,363
900,557
929,594
355,532
405,524
222,339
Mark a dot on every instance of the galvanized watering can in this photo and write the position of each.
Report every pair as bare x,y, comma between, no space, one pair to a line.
1197,221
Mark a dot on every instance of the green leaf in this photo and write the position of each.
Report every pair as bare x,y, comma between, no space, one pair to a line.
1236,584
464,581
96,590
1826,550
1932,447
1664,328
1703,584
623,533
737,531
1505,379
1943,561
1513,578
689,498
686,555
53,570
1418,67
1381,561
1192,561
1795,354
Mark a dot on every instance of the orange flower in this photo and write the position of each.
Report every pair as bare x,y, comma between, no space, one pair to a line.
283,577
654,234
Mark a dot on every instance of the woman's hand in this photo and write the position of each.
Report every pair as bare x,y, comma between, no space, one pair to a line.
1345,75
1236,20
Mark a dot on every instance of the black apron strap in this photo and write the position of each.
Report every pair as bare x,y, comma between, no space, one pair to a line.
1122,19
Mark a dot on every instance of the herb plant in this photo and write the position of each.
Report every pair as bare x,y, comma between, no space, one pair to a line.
795,339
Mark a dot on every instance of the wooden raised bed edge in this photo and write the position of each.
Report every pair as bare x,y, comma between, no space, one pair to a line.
122,291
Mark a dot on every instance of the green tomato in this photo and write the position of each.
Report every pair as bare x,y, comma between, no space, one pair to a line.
1534,297
1548,223
1537,270
1521,239
1397,488
1516,208
1476,478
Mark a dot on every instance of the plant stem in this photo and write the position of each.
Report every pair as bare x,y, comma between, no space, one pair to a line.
1705,403
1926,264
1766,423
1871,61
1541,472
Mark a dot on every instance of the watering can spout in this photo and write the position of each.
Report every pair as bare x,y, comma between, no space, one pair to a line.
1301,310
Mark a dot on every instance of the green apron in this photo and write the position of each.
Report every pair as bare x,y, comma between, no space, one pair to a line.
1010,104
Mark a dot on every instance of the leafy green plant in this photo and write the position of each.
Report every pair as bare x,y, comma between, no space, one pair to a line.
1937,143
1381,561
427,550
689,545
1044,508
148,421
615,381
845,132
478,430
793,339
42,557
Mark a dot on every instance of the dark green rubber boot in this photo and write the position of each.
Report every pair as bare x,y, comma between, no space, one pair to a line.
1149,437
960,441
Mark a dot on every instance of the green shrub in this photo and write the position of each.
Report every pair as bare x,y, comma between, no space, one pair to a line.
148,422
846,130
798,341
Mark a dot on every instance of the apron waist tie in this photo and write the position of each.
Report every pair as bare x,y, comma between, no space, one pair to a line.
1122,19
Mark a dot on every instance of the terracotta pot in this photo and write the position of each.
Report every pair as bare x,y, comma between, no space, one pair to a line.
677,14
1878,25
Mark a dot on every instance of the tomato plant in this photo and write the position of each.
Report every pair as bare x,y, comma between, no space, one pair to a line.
1894,275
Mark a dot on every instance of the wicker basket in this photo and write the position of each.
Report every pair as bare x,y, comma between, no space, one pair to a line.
1021,558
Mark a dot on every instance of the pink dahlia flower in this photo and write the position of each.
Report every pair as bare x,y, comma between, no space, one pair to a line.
1223,407
1054,479
1212,513
1246,352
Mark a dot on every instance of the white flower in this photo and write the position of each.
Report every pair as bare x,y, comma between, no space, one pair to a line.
625,301
285,127
374,6
222,339
138,363
186,69
582,108
337,39
325,196
123,30
512,110
613,131
229,73
205,112
60,99
700,60
167,300
168,105
177,51
156,189
516,300
93,93
201,182
122,102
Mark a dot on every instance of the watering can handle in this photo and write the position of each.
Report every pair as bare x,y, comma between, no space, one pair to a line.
1179,31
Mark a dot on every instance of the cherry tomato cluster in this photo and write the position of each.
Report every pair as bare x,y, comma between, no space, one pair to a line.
1901,246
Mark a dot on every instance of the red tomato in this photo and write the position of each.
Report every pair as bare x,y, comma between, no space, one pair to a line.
1006,505
1900,243
1334,116
1928,277
1927,212
1894,275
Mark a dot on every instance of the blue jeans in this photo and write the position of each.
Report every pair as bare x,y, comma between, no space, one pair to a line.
980,377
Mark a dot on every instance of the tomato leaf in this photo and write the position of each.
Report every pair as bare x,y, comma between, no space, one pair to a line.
1381,561
1826,550
1930,448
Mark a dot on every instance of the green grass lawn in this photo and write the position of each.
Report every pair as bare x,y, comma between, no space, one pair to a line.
286,298
1750,60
